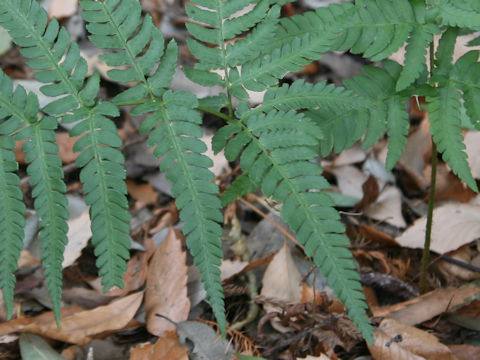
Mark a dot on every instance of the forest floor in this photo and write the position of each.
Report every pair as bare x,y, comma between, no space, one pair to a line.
288,310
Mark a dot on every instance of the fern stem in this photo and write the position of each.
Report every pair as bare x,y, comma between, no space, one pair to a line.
431,199
428,230
216,113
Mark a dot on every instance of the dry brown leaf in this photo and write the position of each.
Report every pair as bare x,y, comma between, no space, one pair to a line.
427,306
62,8
78,325
454,225
27,259
448,185
396,340
65,147
143,193
166,290
350,156
79,233
388,207
465,352
281,281
375,235
166,348
469,254
230,268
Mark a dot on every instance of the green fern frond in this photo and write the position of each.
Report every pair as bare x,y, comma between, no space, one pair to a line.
241,186
458,13
466,75
301,95
444,115
46,178
103,177
12,220
276,149
56,59
175,134
416,50
116,25
397,130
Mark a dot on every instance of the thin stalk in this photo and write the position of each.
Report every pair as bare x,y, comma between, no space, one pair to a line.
431,199
428,230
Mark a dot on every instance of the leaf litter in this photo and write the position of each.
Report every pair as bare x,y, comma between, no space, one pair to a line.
300,319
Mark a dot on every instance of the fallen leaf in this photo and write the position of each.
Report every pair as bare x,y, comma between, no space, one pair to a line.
454,225
396,340
465,352
62,8
33,347
371,191
27,259
350,156
321,357
78,325
166,289
166,348
281,281
350,180
79,233
65,147
427,306
143,193
448,185
207,344
388,207
468,254
472,144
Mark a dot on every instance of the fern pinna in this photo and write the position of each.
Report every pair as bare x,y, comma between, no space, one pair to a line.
60,66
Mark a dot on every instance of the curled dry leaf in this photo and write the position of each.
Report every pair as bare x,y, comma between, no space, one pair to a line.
166,348
388,207
281,281
166,291
78,325
427,306
396,340
454,225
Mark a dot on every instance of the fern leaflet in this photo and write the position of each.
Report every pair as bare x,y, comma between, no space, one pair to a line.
276,150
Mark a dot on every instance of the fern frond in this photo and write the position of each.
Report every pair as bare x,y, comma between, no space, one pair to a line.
276,149
116,25
46,178
241,186
397,130
444,115
375,29
12,220
56,59
301,95
416,50
175,134
459,13
466,75
103,177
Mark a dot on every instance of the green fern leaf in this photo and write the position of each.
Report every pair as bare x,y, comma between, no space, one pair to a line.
276,149
458,13
444,115
175,134
12,220
103,177
46,178
398,125
416,50
241,186
57,61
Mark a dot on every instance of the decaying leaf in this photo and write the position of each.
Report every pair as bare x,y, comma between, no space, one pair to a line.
281,281
166,348
388,207
396,340
427,306
143,193
62,8
33,347
78,325
454,225
166,290
79,233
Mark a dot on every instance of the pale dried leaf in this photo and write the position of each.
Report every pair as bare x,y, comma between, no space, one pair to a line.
281,281
321,357
388,207
65,147
79,232
454,225
166,290
77,325
166,348
62,8
220,163
144,193
396,340
27,259
350,180
427,306
350,156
